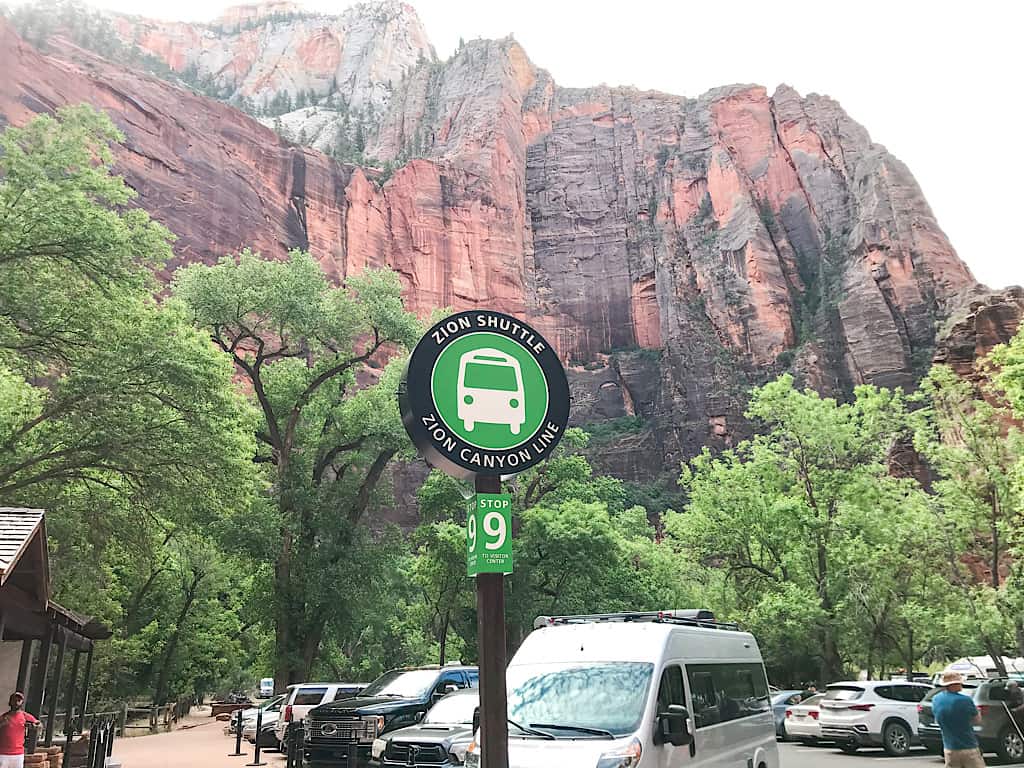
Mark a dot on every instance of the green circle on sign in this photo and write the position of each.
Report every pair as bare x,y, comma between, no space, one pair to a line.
489,390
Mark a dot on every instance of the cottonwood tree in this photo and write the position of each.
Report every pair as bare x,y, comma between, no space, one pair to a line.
98,384
116,414
777,512
973,448
310,355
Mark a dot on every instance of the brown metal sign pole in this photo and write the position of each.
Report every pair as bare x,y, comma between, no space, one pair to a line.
490,630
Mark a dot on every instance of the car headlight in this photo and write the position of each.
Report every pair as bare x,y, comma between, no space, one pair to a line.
472,755
377,748
621,757
458,753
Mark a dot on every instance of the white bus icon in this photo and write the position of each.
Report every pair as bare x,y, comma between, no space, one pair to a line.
490,390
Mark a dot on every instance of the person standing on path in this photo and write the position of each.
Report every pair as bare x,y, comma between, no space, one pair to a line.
12,733
956,716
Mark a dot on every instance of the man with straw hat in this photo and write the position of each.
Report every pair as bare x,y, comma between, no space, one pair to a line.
956,716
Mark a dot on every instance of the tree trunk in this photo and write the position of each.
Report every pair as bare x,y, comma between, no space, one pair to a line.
996,652
160,696
444,636
286,622
831,664
910,653
311,645
995,552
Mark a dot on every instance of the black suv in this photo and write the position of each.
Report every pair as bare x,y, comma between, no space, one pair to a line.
341,733
997,733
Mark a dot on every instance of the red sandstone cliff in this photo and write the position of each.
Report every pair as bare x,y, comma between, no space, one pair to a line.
677,251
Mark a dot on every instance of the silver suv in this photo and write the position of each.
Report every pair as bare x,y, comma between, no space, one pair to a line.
996,732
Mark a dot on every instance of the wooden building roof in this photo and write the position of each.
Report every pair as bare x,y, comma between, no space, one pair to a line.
18,526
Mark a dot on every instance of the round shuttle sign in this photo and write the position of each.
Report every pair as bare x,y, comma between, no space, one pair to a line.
484,394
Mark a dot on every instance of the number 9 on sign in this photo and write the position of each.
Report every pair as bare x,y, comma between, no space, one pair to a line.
495,530
489,535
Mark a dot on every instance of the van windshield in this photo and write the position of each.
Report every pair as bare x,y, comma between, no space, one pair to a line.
603,697
485,376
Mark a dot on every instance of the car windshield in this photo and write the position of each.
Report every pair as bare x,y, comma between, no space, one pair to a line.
413,684
273,703
607,697
453,709
848,693
486,376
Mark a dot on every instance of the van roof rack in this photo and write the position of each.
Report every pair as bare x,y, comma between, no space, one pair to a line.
691,617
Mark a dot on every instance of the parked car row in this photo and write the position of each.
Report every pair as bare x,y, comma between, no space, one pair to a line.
897,715
633,689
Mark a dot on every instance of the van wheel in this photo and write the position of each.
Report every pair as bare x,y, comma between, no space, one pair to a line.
1011,746
896,739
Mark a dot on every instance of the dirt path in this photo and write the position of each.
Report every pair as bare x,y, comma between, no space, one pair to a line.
203,745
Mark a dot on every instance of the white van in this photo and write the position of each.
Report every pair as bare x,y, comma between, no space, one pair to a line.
647,690
266,687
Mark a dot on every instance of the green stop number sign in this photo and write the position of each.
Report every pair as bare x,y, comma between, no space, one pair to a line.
489,534
484,394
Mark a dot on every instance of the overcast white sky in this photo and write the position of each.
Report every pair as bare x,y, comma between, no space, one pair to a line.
938,83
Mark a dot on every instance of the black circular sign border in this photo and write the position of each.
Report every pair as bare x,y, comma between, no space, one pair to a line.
416,402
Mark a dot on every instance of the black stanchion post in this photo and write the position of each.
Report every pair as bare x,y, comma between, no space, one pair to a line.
259,724
290,741
90,759
238,737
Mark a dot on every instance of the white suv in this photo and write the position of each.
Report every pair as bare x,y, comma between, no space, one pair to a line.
304,696
872,713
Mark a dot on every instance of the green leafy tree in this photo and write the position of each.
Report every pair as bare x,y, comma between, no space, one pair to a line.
115,413
777,512
302,348
439,571
973,449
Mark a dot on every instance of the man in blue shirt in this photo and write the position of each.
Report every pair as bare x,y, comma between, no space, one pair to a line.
956,716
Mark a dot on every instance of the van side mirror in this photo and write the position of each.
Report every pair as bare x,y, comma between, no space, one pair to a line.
476,719
450,688
674,726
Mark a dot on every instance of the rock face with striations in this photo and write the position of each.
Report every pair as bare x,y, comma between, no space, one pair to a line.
676,251
259,51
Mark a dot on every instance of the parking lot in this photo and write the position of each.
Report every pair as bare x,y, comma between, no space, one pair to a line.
799,756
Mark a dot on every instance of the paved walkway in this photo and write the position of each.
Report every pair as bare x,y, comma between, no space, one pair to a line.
203,744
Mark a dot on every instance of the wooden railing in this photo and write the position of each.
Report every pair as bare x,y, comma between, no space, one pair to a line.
129,717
